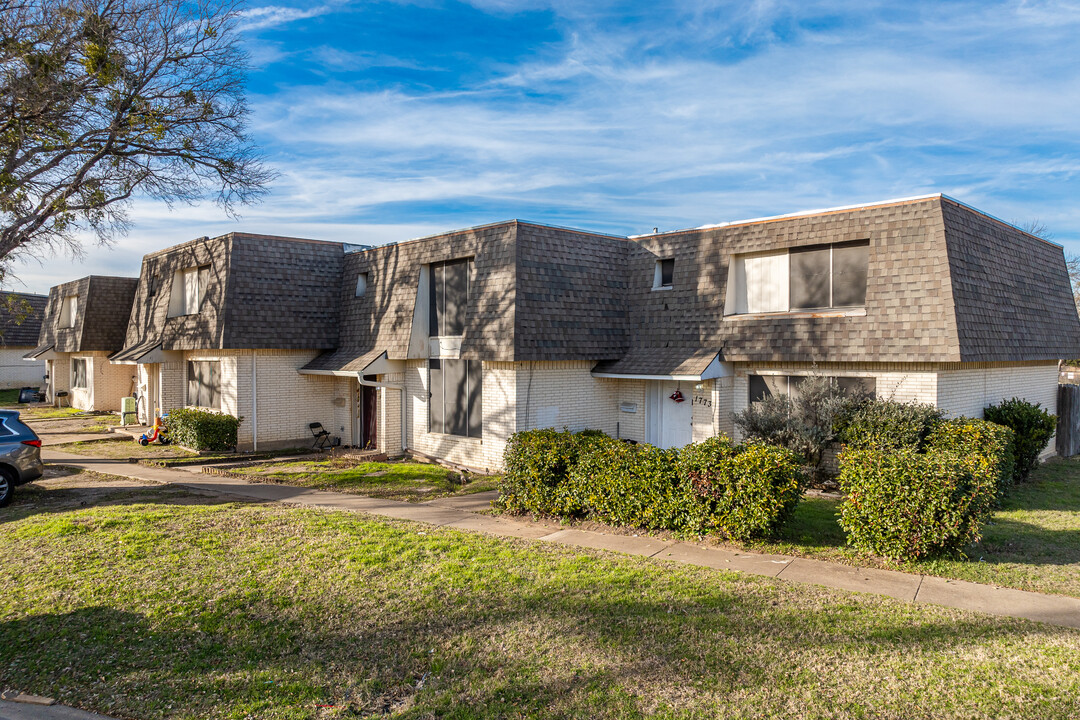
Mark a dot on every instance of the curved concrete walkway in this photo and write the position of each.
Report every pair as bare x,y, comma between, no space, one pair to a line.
460,513
23,711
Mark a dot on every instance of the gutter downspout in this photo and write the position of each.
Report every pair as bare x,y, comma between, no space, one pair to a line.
404,423
254,402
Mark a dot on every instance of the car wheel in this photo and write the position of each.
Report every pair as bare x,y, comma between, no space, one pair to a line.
7,488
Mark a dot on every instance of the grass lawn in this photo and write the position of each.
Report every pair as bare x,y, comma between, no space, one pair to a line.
1032,542
162,604
122,448
412,482
9,396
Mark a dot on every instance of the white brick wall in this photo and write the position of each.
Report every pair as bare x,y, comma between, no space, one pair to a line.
967,392
106,382
287,401
16,372
566,395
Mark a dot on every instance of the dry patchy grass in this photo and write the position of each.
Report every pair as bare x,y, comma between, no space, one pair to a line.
396,480
161,604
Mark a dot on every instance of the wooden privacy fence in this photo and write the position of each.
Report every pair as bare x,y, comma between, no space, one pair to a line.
1068,423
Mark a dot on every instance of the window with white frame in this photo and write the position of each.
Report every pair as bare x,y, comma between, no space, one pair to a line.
816,277
69,310
664,274
456,404
188,290
204,383
361,284
78,373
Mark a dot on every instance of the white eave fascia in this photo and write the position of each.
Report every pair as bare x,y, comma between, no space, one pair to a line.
800,213
383,365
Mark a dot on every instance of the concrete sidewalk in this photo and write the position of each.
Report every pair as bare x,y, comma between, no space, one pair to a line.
461,514
21,711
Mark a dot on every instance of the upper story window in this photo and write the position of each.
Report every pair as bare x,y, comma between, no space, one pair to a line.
448,297
361,284
664,274
818,277
188,290
69,310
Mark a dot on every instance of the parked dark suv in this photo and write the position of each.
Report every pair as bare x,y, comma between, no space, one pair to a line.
20,454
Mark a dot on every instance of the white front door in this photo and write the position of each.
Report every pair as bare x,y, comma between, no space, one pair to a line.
669,424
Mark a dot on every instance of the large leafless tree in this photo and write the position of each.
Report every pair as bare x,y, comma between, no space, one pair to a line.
103,100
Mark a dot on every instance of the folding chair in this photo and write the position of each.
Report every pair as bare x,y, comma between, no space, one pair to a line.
322,437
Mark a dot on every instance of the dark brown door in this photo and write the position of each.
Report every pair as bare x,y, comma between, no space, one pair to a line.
369,429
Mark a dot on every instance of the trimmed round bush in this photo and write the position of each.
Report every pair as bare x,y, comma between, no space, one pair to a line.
537,465
203,429
1032,429
891,424
908,505
747,491
634,485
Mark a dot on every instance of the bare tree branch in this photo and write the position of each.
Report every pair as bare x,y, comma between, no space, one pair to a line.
101,100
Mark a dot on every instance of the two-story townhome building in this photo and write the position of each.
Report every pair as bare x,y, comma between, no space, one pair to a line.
20,325
451,343
225,323
84,323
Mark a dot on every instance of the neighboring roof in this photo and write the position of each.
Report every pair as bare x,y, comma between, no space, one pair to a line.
143,352
20,318
1011,290
263,291
342,361
38,351
662,363
104,307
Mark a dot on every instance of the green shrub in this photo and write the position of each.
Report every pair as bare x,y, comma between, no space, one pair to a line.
740,491
987,447
907,505
203,429
891,424
747,490
1032,429
537,465
634,485
806,423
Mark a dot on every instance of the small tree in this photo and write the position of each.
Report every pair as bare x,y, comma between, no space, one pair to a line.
807,423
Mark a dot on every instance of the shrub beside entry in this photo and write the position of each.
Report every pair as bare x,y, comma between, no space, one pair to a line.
739,491
203,429
1032,427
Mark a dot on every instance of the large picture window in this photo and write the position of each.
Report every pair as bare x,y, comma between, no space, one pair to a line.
204,383
817,277
448,297
763,386
78,374
456,405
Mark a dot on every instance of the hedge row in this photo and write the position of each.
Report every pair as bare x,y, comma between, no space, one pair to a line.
738,491
202,429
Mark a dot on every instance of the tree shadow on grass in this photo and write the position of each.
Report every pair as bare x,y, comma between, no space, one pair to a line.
600,653
34,499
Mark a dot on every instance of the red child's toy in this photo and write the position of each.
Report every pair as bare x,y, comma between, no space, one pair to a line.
159,433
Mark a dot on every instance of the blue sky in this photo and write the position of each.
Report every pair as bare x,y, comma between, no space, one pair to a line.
391,120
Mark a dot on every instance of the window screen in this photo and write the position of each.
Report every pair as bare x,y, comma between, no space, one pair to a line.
204,384
456,406
849,274
809,273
